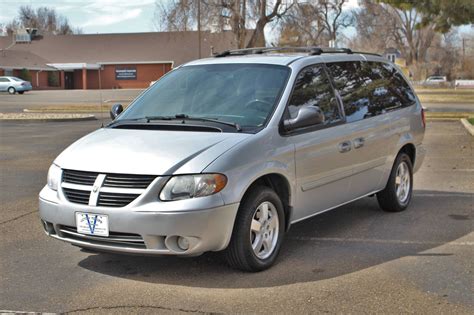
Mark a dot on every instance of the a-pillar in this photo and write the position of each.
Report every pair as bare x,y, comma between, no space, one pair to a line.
84,78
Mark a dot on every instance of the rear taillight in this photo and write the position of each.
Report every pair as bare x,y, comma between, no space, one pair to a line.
23,83
423,118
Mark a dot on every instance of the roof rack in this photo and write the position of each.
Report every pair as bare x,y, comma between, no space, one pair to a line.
311,50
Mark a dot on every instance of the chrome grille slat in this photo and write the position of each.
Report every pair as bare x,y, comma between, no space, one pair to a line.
117,238
79,177
117,190
128,181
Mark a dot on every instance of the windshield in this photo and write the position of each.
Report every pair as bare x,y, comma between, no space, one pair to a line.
244,94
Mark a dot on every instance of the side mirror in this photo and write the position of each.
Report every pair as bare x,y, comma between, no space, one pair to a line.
116,110
307,116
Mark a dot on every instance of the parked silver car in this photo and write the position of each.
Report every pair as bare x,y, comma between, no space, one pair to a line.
13,85
227,153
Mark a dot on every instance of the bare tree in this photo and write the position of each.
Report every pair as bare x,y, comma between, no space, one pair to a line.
302,26
335,18
175,15
246,19
316,22
45,19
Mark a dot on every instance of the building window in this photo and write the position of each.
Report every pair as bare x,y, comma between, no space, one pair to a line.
8,72
391,57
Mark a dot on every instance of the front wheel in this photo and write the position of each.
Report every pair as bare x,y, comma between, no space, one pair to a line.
11,90
258,231
397,194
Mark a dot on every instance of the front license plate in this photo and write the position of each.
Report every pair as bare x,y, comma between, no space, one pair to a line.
92,224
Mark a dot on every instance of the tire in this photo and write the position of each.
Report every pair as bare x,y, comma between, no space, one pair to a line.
397,194
246,234
22,92
11,90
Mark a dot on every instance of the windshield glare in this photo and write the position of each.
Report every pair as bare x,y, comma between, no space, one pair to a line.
244,94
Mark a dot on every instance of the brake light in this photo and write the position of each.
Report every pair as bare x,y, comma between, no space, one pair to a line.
23,83
423,118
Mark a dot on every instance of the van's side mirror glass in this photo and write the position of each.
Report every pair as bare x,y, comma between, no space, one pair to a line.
307,116
116,110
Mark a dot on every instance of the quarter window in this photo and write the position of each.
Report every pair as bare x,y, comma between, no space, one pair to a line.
312,88
369,89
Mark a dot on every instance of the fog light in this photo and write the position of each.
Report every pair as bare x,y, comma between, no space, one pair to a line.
183,243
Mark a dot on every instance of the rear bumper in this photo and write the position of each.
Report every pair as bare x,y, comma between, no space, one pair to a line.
23,88
143,232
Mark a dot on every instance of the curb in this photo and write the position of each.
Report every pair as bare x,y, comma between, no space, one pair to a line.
468,126
26,120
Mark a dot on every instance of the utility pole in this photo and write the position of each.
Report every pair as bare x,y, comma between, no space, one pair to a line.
199,27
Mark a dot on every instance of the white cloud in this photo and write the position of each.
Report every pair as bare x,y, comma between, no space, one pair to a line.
109,19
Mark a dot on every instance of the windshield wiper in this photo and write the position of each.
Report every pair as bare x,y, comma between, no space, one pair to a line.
187,117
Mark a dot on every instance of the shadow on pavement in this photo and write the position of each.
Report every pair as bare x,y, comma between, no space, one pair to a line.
345,240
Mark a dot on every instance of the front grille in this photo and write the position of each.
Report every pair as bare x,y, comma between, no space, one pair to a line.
116,199
77,196
112,191
128,181
114,238
79,177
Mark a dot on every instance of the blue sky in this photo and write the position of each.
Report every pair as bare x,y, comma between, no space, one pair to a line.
99,16
112,16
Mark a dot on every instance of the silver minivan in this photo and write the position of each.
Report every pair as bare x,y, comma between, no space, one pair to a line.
226,153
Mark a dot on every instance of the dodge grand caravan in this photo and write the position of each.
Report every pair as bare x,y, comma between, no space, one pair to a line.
226,153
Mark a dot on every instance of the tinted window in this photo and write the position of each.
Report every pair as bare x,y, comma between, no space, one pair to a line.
4,80
369,89
353,83
392,88
312,88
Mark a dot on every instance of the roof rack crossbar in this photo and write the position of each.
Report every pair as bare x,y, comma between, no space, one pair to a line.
311,50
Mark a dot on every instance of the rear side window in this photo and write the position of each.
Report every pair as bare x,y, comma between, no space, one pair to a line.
391,90
4,80
313,88
369,89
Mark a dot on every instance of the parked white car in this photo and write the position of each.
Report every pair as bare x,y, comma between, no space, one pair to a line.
14,84
436,80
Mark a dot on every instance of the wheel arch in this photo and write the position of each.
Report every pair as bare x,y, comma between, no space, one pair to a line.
281,185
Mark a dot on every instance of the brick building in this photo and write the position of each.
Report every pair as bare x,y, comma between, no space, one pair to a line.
106,61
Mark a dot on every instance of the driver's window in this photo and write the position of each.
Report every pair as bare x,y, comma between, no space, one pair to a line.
312,88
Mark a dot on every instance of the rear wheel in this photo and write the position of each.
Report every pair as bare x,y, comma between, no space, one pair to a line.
11,90
258,231
397,194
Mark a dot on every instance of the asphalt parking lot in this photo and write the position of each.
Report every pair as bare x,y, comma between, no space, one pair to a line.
354,259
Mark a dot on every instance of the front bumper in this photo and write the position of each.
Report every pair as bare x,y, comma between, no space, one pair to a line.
143,230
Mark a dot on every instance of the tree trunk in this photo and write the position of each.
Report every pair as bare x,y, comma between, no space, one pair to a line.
258,35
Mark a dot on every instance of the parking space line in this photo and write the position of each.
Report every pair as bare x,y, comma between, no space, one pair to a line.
376,241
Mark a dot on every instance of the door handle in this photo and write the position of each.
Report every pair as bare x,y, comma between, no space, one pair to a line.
345,146
358,143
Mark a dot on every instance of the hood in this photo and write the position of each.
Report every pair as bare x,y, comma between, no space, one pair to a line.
151,152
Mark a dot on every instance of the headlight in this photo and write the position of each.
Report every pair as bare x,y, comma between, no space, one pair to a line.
54,176
192,186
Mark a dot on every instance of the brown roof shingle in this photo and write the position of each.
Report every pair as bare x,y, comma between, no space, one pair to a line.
179,47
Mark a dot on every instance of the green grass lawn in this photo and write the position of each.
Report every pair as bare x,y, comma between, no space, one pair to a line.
471,120
445,95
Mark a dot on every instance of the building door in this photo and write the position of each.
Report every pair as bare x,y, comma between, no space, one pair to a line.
69,80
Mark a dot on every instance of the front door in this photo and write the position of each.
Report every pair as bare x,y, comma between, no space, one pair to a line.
322,151
69,80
